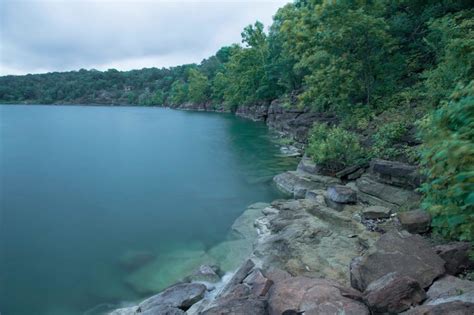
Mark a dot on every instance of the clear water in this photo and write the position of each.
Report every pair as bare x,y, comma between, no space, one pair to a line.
82,186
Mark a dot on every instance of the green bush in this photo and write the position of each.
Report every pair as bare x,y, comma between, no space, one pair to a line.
333,147
385,138
449,162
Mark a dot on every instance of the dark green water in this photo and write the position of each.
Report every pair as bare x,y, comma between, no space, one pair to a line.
82,186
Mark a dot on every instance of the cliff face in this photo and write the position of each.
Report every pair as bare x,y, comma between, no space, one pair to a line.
291,121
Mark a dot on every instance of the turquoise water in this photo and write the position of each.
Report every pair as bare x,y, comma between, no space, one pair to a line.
82,187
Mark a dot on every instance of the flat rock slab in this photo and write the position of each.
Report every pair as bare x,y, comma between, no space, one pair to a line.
395,173
313,297
387,193
416,221
393,293
296,182
376,212
409,255
180,296
305,238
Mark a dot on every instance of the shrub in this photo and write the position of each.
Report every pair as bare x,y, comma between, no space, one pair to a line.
448,159
333,147
385,139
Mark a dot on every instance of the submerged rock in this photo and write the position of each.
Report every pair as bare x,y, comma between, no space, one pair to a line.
401,252
132,260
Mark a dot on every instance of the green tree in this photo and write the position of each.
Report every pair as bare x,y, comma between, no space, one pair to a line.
178,93
198,86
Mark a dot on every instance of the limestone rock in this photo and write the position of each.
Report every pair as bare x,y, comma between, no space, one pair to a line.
415,221
313,296
307,165
290,181
163,310
180,296
393,293
345,173
376,212
258,283
448,289
409,255
389,195
456,256
341,194
244,306
449,308
395,173
307,238
204,273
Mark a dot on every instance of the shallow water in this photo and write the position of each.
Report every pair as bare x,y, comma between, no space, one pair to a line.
81,187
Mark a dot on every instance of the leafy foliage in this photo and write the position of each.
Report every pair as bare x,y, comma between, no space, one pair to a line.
333,148
449,161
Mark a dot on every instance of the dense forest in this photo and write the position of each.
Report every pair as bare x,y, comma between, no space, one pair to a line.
385,66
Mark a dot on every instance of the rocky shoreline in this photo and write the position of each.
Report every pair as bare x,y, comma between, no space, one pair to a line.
351,244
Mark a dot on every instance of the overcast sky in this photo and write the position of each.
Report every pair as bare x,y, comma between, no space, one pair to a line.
59,35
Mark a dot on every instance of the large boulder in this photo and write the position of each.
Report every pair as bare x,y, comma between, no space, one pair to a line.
314,296
415,221
341,194
297,184
393,293
395,173
179,296
456,256
409,255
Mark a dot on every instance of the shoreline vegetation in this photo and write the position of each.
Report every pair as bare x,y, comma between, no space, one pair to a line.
379,98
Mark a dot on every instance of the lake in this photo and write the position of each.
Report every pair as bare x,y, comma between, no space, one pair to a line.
84,187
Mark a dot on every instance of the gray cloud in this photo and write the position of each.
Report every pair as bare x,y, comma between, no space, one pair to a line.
57,35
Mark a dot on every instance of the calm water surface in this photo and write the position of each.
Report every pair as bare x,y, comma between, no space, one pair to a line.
83,187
